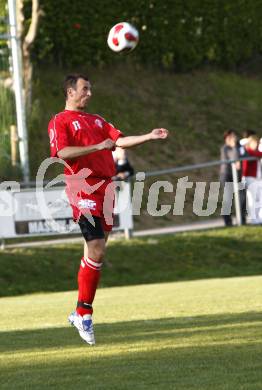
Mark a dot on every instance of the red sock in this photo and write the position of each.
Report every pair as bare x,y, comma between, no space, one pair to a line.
88,279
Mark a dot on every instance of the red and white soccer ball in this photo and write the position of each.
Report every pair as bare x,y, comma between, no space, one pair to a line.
123,37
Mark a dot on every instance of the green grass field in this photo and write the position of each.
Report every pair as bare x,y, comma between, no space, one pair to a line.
175,312
197,335
217,253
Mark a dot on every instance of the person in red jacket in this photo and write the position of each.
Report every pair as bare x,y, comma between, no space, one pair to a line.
252,168
251,173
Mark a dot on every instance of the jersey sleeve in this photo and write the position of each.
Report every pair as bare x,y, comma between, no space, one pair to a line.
112,132
58,135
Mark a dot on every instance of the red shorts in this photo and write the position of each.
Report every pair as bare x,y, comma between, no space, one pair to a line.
94,197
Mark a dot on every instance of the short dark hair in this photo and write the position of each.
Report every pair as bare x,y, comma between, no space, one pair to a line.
71,80
228,133
248,132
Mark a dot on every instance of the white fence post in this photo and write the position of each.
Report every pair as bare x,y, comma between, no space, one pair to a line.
236,195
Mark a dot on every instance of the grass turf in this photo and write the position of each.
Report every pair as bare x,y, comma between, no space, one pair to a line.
185,256
186,335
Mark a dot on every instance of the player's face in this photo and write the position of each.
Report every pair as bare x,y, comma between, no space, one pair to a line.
81,94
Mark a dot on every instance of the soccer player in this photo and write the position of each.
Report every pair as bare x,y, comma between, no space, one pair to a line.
85,141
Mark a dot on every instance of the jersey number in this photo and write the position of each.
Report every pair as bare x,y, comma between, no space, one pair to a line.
76,125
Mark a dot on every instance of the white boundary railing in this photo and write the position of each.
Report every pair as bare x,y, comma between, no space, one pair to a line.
237,186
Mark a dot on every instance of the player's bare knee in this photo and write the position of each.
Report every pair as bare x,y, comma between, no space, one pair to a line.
96,250
99,254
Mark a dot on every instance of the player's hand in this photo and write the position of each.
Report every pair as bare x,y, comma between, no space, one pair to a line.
159,133
107,144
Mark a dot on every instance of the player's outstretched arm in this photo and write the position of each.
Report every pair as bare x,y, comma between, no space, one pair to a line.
128,142
71,152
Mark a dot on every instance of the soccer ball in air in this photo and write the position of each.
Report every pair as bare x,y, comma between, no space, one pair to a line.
123,37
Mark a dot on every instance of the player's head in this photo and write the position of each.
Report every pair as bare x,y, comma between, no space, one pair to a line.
77,90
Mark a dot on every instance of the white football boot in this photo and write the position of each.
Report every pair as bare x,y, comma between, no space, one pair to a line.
84,325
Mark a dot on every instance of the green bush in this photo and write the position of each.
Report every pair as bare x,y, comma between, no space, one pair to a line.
178,35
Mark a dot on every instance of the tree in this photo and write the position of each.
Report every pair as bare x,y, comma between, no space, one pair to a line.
27,39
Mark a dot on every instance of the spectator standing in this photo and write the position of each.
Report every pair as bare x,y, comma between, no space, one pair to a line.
251,174
229,151
124,169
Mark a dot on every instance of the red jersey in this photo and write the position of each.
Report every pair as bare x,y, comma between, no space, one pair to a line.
77,128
